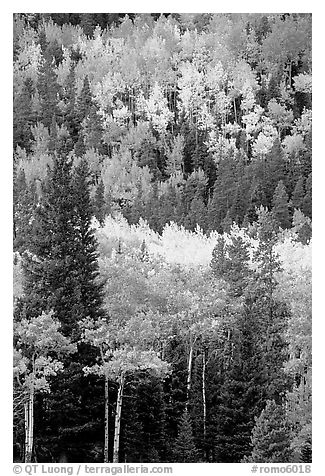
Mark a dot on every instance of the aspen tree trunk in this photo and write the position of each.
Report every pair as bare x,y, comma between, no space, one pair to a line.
189,377
29,426
235,110
118,419
106,421
204,402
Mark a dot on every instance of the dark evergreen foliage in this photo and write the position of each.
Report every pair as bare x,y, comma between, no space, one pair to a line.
271,436
280,208
48,90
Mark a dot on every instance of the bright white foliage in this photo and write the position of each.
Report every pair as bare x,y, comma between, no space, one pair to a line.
303,83
155,109
27,64
121,177
194,249
265,140
252,121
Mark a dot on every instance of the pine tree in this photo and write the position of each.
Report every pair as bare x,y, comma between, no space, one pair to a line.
184,449
93,131
70,119
87,23
25,200
306,451
257,199
53,138
302,226
86,254
99,203
280,208
196,215
226,222
230,261
297,198
62,272
79,148
48,90
84,102
307,204
23,116
271,436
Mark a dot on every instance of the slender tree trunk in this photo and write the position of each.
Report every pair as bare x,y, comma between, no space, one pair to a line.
29,426
118,419
204,403
106,421
235,110
189,377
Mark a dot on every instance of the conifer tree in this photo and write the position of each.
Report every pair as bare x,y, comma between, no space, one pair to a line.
226,222
70,119
280,208
23,116
307,205
302,226
306,452
48,90
297,198
86,254
99,203
271,436
25,199
84,102
53,138
93,131
61,274
231,262
257,199
79,148
197,214
184,449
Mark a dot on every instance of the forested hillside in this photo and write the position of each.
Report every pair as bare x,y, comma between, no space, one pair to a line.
162,237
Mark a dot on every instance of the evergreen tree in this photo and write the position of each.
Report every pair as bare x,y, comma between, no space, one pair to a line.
257,199
84,102
62,274
53,137
184,449
86,254
230,261
297,198
23,116
271,436
196,215
302,226
87,23
226,222
93,131
99,203
280,208
306,452
70,92
307,204
25,200
48,90
79,148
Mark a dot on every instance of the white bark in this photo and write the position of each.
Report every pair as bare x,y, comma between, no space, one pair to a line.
29,426
189,377
106,421
118,419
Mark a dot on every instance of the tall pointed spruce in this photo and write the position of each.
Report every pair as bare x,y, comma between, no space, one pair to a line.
61,270
271,436
280,208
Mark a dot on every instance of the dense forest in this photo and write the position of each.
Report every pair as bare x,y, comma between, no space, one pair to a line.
162,215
